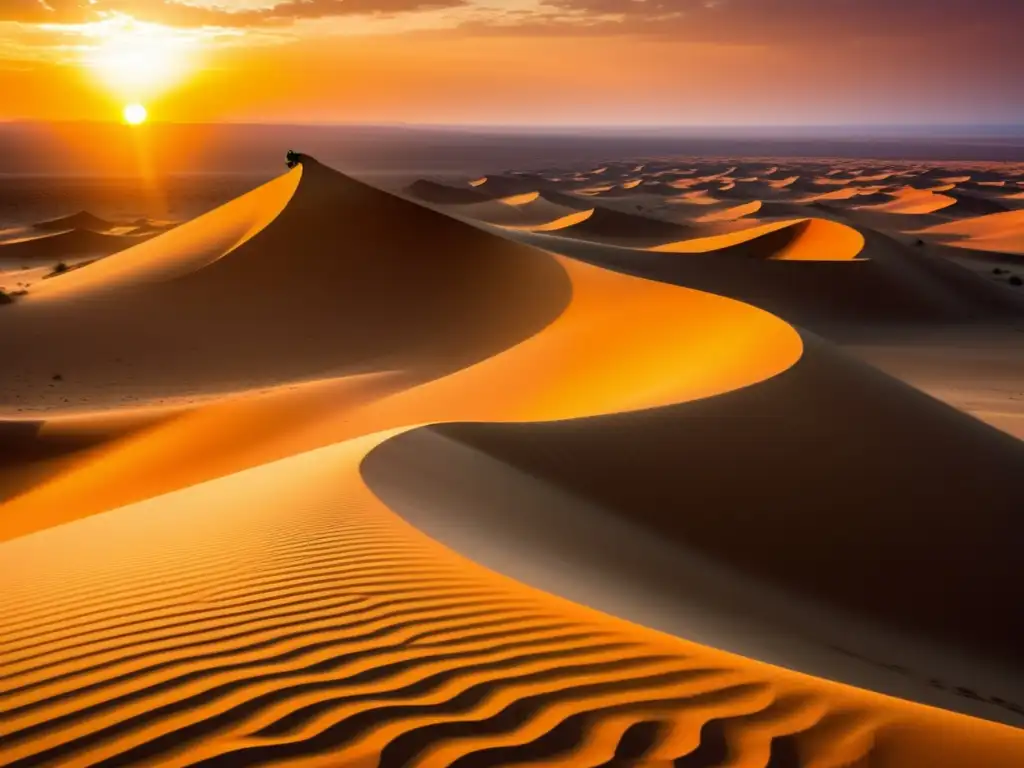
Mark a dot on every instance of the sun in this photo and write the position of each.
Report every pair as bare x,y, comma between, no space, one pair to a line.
134,113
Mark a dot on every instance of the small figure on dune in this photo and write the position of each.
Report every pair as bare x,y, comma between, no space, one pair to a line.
292,158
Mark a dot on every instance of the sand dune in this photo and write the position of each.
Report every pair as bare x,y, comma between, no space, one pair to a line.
372,643
565,221
889,285
210,436
605,224
912,201
183,250
1001,232
443,194
732,213
799,240
968,204
82,220
73,244
234,279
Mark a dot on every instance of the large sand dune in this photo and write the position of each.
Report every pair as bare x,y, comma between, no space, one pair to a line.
210,434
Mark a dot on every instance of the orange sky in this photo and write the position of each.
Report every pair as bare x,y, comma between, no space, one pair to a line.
516,61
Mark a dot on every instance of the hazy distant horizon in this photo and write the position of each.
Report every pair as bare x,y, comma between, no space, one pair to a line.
755,130
102,149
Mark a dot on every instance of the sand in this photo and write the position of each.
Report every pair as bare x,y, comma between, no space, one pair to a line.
333,476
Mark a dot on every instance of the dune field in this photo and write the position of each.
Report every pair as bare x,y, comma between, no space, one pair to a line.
656,462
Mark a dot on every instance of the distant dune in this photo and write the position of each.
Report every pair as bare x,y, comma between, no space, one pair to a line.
64,245
82,220
1001,232
800,240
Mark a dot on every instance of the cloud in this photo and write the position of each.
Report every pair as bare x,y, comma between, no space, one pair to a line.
190,15
774,22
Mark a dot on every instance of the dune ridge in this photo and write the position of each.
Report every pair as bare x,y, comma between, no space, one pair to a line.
799,240
247,598
66,245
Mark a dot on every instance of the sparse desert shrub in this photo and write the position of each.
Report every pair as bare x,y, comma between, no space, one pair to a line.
998,271
1015,280
58,377
920,243
4,297
60,268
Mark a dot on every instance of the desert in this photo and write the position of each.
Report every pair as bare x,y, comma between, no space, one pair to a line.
555,466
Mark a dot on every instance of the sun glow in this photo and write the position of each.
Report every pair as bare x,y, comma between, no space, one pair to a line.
136,59
134,114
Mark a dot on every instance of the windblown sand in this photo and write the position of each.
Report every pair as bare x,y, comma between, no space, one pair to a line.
334,476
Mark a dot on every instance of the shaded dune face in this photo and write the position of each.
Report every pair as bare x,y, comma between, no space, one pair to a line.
202,575
51,249
890,284
326,630
615,226
841,522
429,294
81,220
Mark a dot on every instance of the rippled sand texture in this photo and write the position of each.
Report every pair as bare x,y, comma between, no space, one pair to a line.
195,570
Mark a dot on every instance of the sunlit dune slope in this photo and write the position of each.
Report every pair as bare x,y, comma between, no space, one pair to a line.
1002,232
627,323
731,213
285,615
800,240
554,225
912,201
182,250
219,586
277,280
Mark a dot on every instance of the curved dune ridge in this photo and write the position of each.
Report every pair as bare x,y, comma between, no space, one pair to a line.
912,201
528,212
732,213
788,240
185,249
554,225
606,224
227,590
244,276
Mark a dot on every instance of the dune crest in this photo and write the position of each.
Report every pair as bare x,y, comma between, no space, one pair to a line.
186,248
912,201
732,213
799,240
202,573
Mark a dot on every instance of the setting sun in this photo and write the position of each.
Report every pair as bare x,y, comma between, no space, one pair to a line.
134,114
